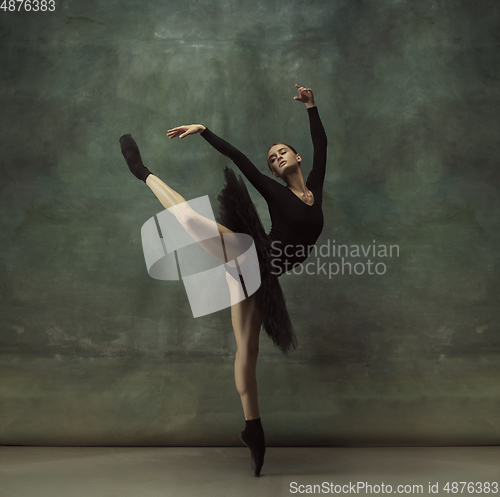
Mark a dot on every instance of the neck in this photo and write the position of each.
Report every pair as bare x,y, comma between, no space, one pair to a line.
295,181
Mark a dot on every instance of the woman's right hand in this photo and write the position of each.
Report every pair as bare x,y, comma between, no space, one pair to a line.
182,131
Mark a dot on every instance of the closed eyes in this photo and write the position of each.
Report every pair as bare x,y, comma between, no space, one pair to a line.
273,156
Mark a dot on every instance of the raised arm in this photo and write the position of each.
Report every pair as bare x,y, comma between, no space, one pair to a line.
260,181
318,135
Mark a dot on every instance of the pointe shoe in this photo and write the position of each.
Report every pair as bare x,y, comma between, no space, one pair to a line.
257,456
130,152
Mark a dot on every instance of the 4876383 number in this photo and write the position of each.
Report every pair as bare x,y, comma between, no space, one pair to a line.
471,487
27,5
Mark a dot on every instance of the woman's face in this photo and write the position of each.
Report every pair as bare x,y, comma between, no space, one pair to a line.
280,158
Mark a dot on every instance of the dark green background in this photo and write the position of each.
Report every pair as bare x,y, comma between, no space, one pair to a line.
95,352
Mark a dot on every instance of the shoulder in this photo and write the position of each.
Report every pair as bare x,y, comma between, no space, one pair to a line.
273,187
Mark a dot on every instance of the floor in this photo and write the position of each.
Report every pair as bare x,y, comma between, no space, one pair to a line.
225,471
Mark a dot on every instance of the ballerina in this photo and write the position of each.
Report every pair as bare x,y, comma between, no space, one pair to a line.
297,221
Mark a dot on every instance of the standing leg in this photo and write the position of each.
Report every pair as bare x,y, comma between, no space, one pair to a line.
247,322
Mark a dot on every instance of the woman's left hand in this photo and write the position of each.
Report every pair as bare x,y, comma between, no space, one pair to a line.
305,95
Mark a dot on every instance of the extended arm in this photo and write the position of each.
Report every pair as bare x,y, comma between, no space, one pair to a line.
245,165
261,182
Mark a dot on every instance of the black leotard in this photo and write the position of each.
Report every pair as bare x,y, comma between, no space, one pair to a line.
295,225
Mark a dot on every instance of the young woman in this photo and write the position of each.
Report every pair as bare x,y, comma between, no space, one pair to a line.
297,221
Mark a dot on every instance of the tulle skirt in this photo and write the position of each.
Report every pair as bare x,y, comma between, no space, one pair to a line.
238,213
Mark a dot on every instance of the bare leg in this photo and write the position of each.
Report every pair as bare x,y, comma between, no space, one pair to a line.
200,228
192,222
247,321
246,325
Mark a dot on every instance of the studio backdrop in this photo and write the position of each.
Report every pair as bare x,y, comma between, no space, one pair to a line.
397,314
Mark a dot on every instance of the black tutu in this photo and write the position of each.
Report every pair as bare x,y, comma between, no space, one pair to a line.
238,213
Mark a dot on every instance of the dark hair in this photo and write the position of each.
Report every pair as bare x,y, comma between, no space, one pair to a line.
280,143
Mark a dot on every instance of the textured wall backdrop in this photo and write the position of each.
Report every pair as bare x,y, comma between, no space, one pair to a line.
95,352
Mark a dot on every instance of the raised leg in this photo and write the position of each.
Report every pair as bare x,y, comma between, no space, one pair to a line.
195,224
199,227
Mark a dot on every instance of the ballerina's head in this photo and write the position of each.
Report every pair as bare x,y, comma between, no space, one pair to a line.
282,159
